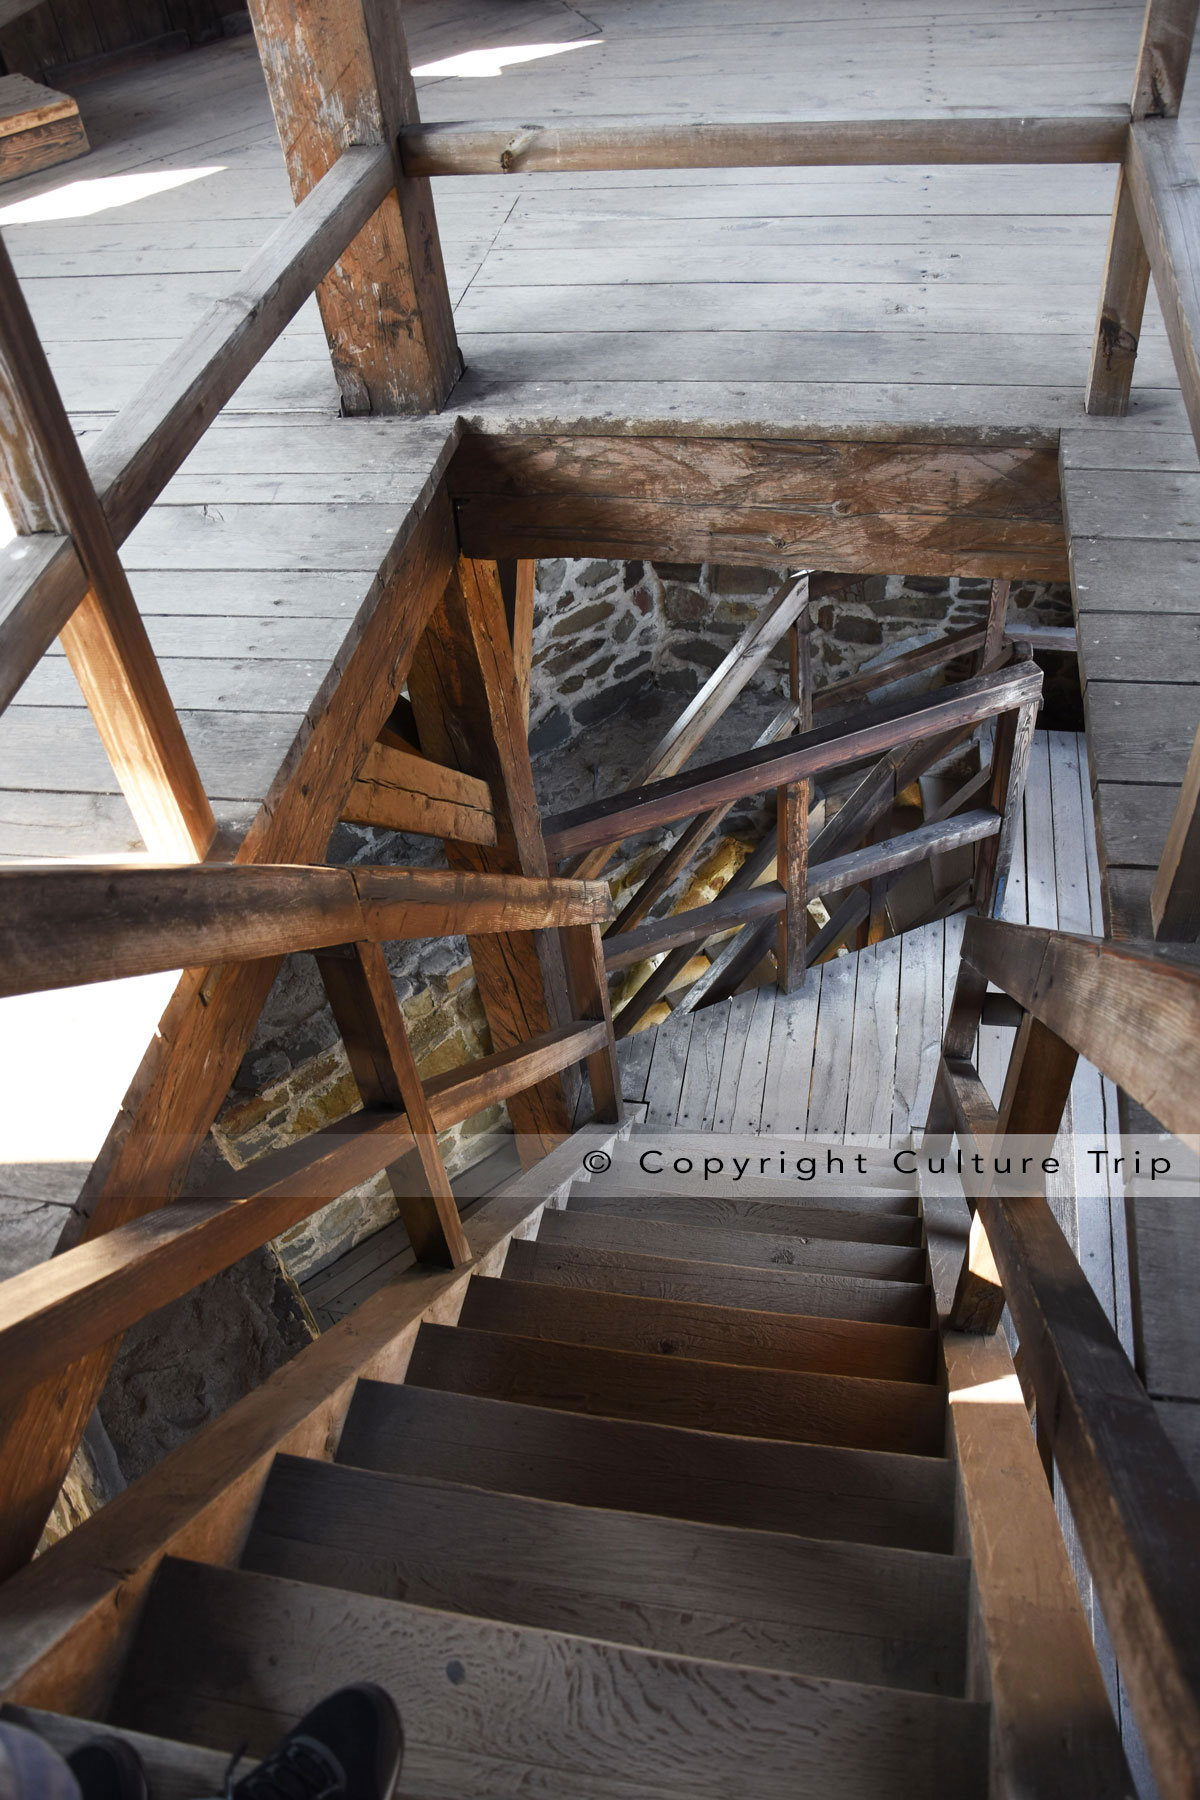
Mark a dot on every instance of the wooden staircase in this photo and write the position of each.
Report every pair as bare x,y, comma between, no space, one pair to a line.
645,1521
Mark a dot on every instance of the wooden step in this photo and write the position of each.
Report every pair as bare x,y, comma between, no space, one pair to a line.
813,1490
897,1200
729,1334
786,1218
854,1611
814,1295
745,1249
677,1390
507,1712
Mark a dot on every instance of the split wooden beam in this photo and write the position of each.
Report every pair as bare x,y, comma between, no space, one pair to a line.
867,733
465,697
64,927
398,791
339,76
46,487
984,135
1167,31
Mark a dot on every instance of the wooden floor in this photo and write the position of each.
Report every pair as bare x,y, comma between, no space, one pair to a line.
945,302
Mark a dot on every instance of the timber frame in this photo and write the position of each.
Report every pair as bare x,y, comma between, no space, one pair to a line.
422,726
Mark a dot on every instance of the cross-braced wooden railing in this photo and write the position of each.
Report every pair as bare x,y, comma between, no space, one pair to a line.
1135,1015
64,926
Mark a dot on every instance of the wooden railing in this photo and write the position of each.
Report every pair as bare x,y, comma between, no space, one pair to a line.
66,926
1135,1015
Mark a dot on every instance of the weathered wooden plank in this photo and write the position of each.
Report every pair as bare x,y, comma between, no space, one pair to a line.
980,137
673,1390
858,1612
710,1333
784,1728
757,1483
737,1248
1162,184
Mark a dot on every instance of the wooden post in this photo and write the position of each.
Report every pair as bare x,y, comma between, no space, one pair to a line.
1157,91
1175,901
46,487
992,653
583,954
1010,765
792,807
465,697
338,74
522,630
368,1016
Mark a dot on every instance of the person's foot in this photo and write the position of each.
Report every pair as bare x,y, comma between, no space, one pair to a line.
108,1768
349,1747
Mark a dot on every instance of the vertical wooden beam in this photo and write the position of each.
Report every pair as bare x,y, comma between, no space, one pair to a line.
1161,72
338,74
792,807
463,688
992,654
1175,900
368,1016
583,954
46,487
1010,765
522,630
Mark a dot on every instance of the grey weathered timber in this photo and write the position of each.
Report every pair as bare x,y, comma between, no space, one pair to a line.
1175,900
759,1483
1162,181
1165,52
781,1727
980,137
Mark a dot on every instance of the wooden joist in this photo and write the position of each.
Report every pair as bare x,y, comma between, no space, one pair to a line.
870,732
399,791
963,136
64,927
55,1313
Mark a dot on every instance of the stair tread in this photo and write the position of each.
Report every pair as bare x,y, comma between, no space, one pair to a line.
784,1218
500,1711
815,1490
815,1293
857,1612
675,1390
748,1249
728,1334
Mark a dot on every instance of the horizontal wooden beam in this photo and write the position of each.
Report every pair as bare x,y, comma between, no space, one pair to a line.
134,457
57,1312
65,927
1096,134
1133,1014
399,791
870,732
831,877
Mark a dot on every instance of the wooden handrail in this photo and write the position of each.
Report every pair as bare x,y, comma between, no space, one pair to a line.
58,1311
1133,1013
1093,134
134,457
66,927
869,732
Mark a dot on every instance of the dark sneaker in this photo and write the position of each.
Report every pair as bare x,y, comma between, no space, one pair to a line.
349,1747
108,1768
